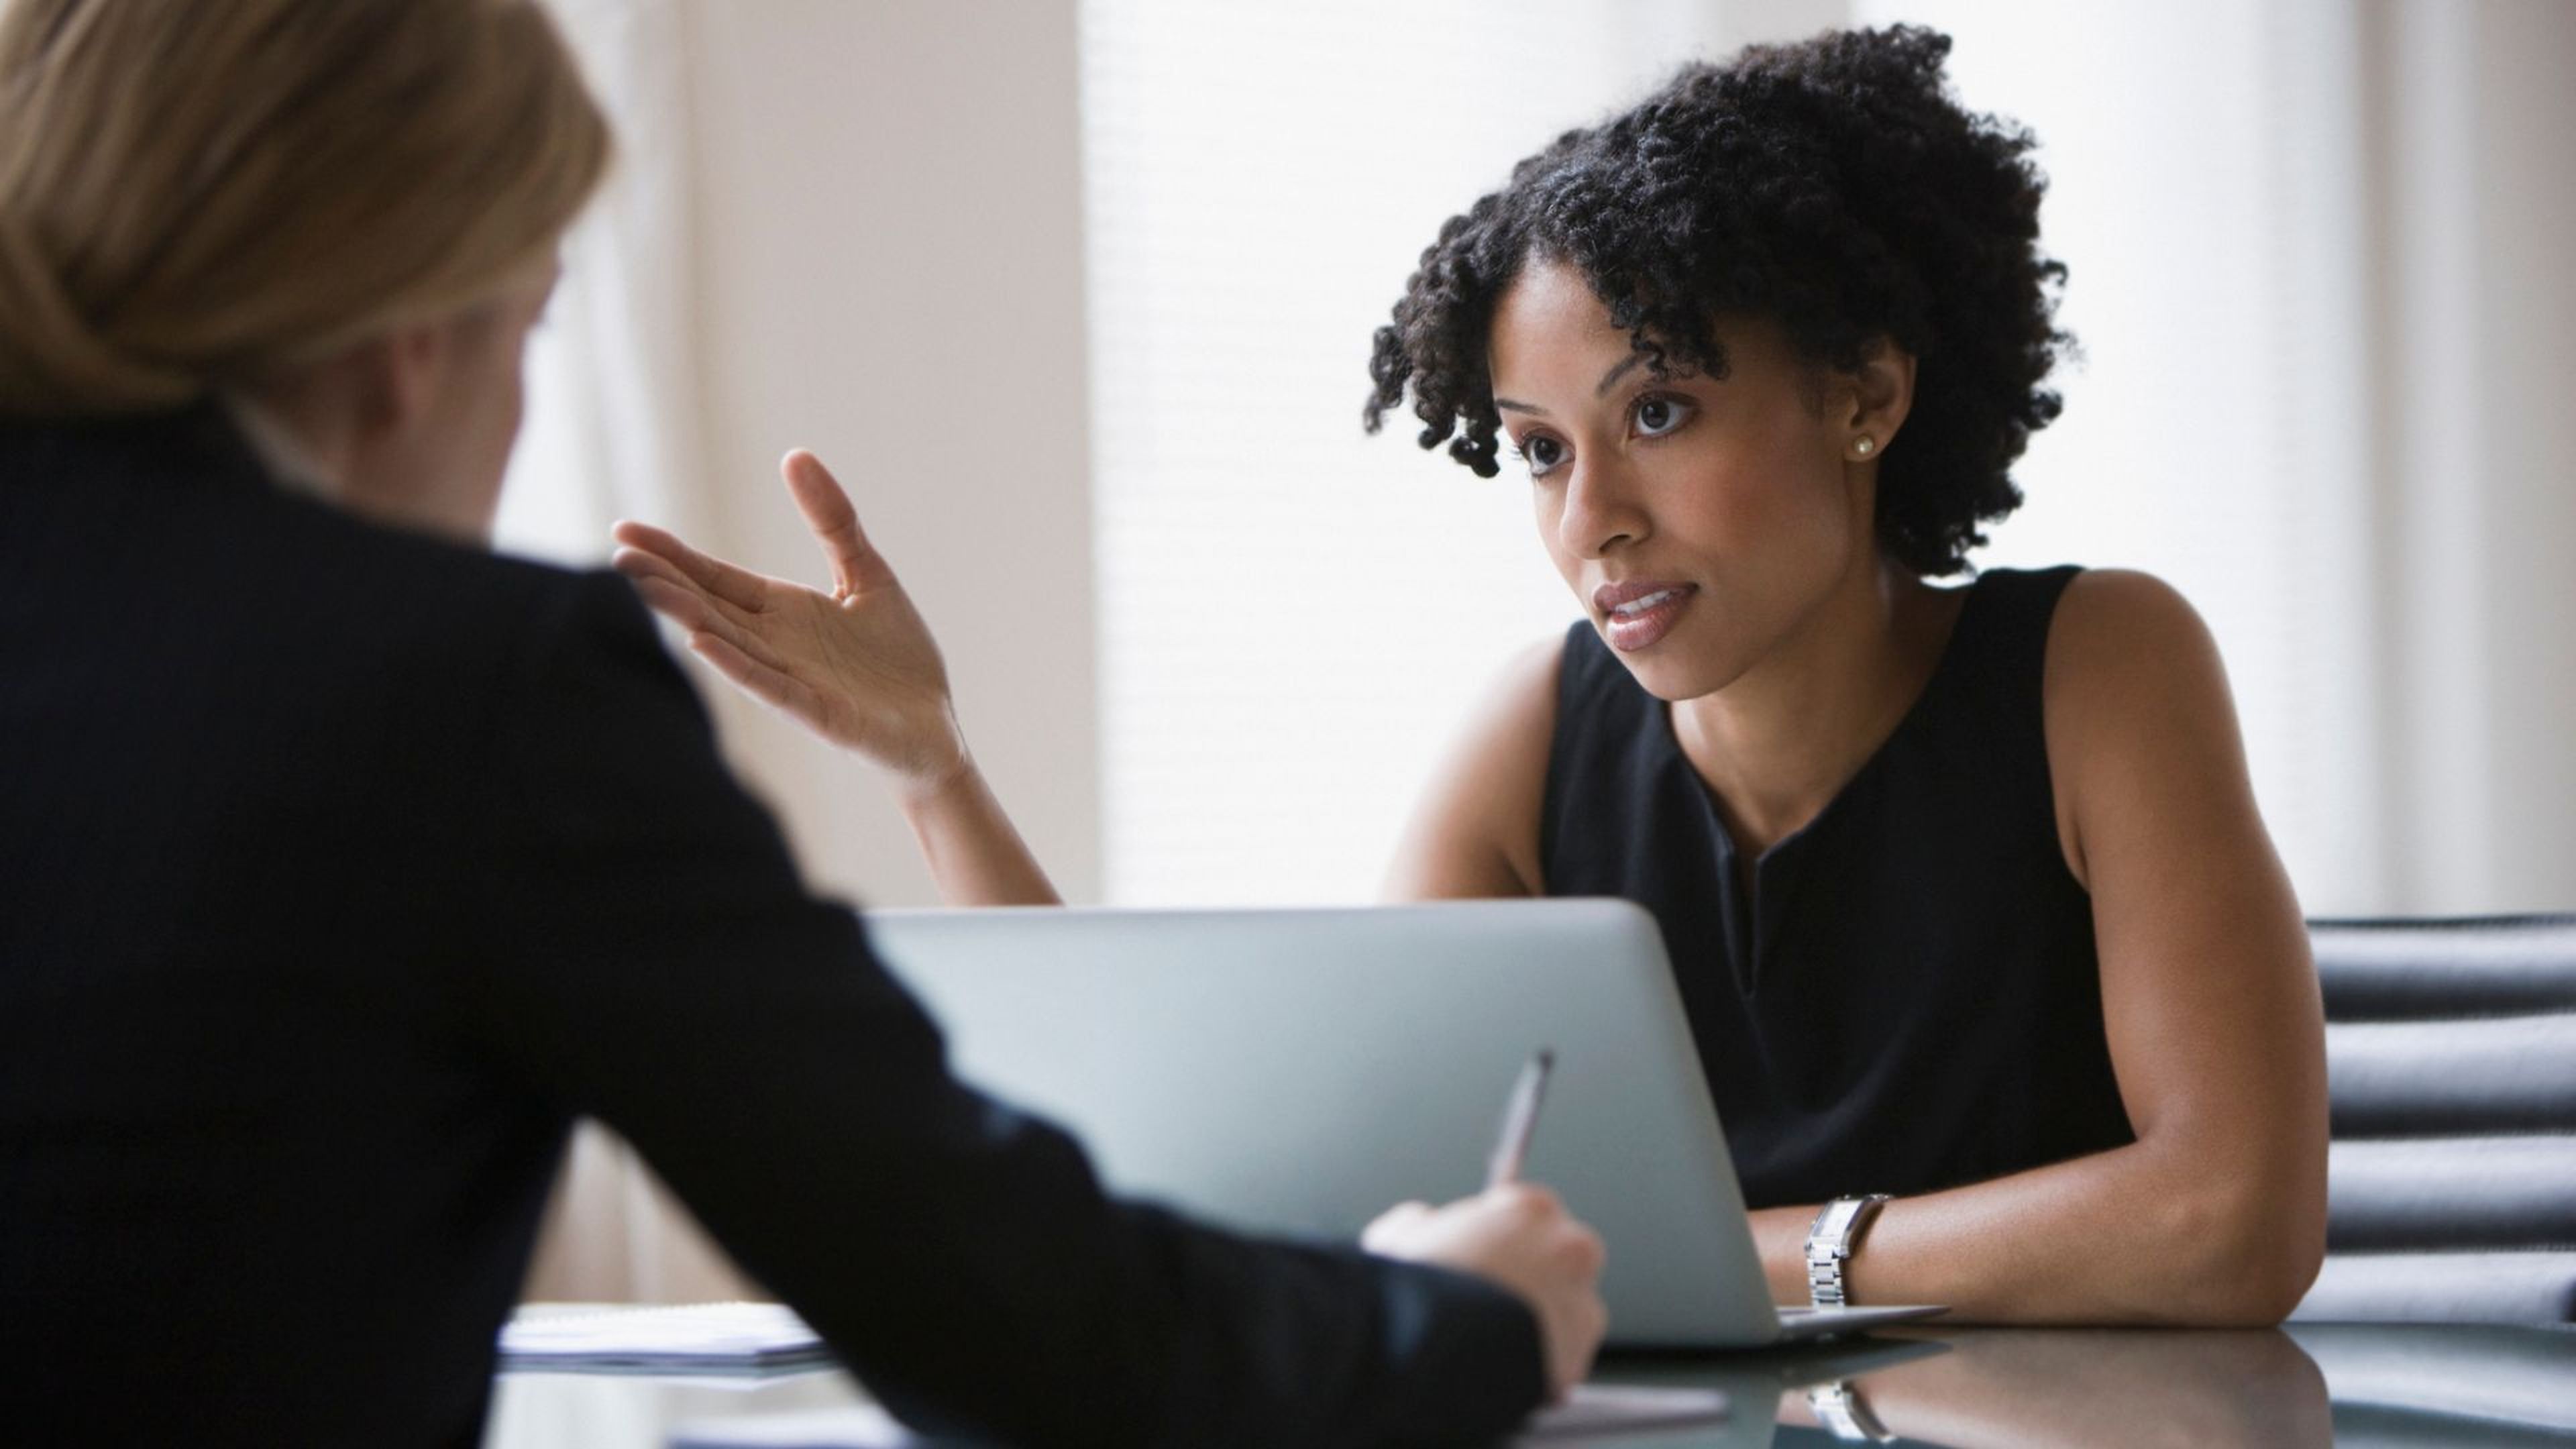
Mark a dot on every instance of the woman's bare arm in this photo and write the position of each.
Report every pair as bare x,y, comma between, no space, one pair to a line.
975,853
2216,1214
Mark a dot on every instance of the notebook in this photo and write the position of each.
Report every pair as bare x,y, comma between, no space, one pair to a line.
750,1338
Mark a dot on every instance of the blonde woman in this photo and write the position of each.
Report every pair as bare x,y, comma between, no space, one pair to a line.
345,863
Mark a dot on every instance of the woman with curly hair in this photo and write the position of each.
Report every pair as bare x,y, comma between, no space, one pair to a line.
1966,893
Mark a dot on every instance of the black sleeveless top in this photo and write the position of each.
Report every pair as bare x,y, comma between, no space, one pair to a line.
1910,998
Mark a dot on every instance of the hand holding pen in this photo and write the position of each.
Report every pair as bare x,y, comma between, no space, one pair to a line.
1518,1235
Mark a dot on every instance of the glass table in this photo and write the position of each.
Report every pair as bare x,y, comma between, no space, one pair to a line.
2456,1386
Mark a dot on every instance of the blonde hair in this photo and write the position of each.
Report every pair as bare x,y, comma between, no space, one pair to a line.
199,192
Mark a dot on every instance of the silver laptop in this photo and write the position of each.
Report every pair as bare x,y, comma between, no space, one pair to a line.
1302,1070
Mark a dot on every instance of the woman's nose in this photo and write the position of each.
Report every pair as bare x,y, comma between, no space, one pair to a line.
1601,512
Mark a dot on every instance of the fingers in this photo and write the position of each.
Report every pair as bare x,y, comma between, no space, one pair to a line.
1565,1257
1586,1323
764,682
1577,1317
737,586
685,607
734,651
1534,1199
644,569
856,565
1392,1226
1584,1249
639,564
1566,1238
697,613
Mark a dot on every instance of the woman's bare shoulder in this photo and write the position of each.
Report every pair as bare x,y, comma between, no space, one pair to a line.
2112,617
2136,700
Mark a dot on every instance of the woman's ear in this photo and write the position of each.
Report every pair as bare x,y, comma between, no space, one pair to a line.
346,407
394,377
1876,398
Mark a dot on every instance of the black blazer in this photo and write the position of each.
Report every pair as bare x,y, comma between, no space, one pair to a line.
340,869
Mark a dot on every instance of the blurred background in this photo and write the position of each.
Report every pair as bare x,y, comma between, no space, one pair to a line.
1077,298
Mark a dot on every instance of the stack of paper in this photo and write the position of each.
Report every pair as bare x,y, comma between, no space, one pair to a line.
1595,1413
692,1338
859,1426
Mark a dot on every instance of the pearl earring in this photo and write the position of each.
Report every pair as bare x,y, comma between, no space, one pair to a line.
1863,444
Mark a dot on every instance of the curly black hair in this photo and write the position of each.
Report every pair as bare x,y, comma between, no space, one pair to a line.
1834,186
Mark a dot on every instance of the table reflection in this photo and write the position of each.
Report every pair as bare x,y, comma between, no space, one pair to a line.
2354,1384
2007,1387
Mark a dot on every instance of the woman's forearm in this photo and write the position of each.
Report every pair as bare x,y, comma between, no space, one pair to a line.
2139,1234
976,855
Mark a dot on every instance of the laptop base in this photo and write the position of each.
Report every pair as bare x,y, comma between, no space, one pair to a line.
1805,1325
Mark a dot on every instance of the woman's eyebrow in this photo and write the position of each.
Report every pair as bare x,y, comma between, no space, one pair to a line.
1608,381
1611,378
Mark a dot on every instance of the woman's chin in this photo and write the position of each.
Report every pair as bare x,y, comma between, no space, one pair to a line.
1673,675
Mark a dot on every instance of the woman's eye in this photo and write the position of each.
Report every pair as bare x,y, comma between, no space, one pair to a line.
1657,416
1542,454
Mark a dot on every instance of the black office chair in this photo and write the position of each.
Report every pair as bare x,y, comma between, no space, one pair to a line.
2451,1063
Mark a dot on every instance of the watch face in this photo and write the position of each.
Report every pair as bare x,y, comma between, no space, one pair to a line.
1837,1224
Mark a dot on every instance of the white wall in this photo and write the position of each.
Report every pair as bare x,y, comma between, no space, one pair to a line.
853,227
890,264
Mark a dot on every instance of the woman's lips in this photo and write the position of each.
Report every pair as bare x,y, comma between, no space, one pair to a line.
1634,616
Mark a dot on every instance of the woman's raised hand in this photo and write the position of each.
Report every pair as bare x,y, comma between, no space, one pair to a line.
857,665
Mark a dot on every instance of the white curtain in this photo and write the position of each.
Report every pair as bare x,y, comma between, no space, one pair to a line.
2318,254
2472,345
614,430
613,426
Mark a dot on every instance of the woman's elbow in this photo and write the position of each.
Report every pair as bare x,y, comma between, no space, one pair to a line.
2274,1271
2253,1248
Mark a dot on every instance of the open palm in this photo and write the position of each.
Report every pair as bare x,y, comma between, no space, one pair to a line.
857,665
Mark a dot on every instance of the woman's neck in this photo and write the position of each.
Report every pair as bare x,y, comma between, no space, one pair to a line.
1776,745
289,458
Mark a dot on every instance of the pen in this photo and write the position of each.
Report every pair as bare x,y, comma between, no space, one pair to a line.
1519,1118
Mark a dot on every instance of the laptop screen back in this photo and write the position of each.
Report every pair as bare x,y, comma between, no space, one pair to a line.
1301,1070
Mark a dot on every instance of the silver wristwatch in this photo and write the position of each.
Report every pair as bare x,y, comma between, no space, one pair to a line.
1841,1412
1837,1228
